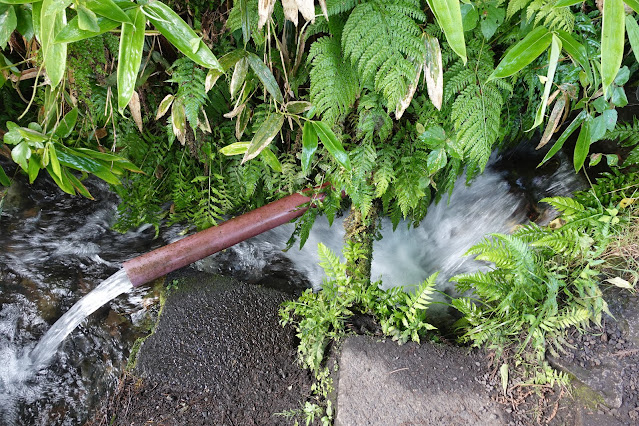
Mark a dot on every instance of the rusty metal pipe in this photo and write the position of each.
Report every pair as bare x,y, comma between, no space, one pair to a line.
159,262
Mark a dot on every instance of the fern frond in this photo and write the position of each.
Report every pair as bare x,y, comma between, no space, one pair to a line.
566,205
626,134
329,261
334,84
383,41
554,18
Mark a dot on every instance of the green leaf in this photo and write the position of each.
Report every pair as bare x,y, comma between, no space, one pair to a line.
565,3
612,40
634,5
309,145
53,160
77,185
612,160
54,55
492,19
20,154
109,9
239,75
469,16
235,148
231,58
436,161
523,53
576,50
72,32
34,169
298,107
583,145
574,125
632,29
25,22
87,20
88,165
211,78
434,136
34,137
62,181
19,1
271,159
265,75
130,57
8,23
332,144
264,136
550,76
246,24
4,179
67,124
618,97
118,161
448,15
622,76
179,34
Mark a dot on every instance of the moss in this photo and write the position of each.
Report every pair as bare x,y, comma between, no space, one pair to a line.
361,230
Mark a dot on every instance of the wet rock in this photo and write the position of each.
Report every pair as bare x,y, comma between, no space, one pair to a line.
381,382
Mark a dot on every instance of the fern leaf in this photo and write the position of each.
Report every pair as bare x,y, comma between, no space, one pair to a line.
566,205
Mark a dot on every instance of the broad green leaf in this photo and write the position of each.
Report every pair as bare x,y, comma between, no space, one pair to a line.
72,32
622,76
564,3
130,57
62,181
239,75
165,104
469,16
612,159
87,20
19,1
87,165
434,136
309,145
574,125
67,124
618,97
583,145
109,9
25,22
53,18
20,154
4,179
264,136
179,34
492,19
53,160
236,148
448,15
231,58
612,40
634,4
265,75
550,77
32,136
332,144
523,53
436,160
118,162
12,137
298,107
576,50
8,23
271,159
33,169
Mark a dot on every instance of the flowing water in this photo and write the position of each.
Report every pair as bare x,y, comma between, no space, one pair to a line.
57,248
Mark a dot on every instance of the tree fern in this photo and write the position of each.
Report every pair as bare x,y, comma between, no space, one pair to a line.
334,84
383,42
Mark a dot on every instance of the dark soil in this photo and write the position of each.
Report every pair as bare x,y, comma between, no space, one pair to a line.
218,356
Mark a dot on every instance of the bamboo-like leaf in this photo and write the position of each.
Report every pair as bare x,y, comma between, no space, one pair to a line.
68,158
564,136
633,35
62,181
633,4
18,1
322,4
4,179
87,19
179,33
136,110
434,71
242,121
165,104
309,145
523,53
576,50
235,148
178,120
239,75
612,40
211,79
550,77
130,57
265,75
307,9
264,11
72,32
565,3
448,15
109,9
246,24
264,136
298,107
53,160
332,144
410,92
67,124
290,10
271,159
583,145
553,121
52,19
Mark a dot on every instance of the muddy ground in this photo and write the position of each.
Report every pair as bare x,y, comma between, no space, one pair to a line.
219,356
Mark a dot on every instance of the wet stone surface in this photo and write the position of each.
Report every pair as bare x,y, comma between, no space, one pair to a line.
218,356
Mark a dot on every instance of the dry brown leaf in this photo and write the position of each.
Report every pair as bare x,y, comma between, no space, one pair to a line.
136,111
553,122
264,10
290,10
307,9
403,104
433,71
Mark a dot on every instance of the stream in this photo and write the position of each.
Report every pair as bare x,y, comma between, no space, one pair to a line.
57,248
